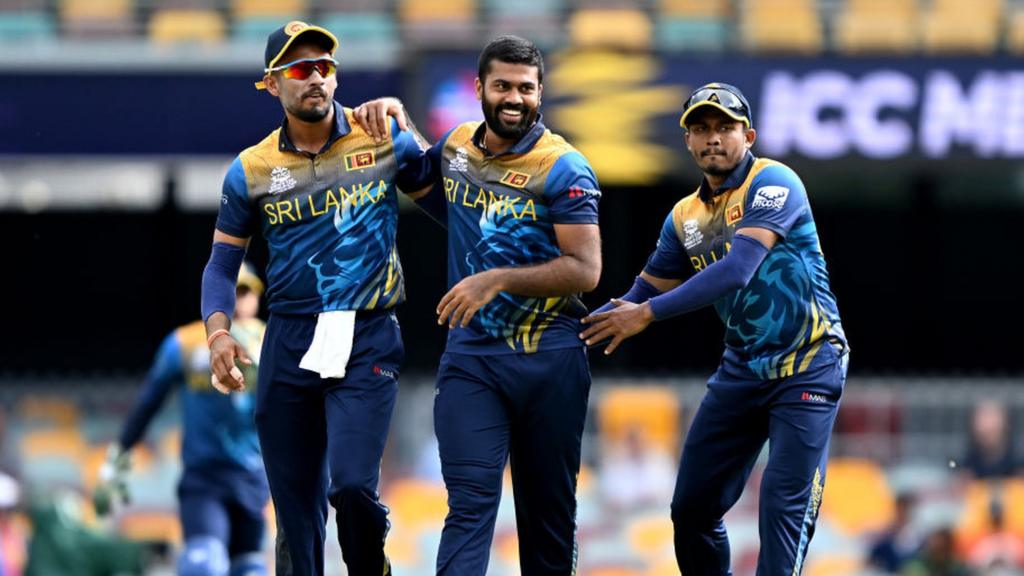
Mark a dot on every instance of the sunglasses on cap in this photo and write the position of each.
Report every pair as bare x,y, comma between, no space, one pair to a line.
721,98
302,69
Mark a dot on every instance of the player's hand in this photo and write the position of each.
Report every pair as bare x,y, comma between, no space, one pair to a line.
619,323
227,377
112,488
472,293
372,116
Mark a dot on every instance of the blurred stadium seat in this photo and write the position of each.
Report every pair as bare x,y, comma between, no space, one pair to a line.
36,25
962,26
171,25
441,23
857,496
877,26
693,25
623,28
98,19
651,410
781,26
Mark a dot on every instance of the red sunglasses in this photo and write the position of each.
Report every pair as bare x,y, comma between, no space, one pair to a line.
302,69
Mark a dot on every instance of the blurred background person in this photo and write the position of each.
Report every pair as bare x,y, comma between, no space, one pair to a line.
899,542
223,490
990,452
635,474
937,557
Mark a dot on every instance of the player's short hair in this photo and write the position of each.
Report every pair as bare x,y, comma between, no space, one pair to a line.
511,50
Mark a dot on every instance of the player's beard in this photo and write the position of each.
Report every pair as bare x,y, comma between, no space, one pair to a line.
507,131
313,113
717,168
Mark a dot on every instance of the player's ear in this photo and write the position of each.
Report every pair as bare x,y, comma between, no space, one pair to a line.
271,83
479,89
750,135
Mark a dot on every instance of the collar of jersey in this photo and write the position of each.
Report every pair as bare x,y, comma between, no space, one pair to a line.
522,146
340,128
736,177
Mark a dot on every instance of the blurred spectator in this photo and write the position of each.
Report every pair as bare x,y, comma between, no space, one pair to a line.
990,454
8,452
12,537
63,544
899,542
937,557
1000,552
635,474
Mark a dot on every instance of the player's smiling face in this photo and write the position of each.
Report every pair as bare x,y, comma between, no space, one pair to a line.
311,99
717,141
510,95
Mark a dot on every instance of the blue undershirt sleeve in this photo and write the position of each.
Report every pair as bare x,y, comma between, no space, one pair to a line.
163,375
728,274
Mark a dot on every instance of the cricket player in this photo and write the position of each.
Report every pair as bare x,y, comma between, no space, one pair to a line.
322,192
223,489
520,205
747,242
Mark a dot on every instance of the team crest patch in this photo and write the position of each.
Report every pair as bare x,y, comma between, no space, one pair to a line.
360,161
733,214
294,27
281,180
515,179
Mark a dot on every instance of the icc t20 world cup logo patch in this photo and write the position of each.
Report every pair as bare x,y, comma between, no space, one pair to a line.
515,179
360,160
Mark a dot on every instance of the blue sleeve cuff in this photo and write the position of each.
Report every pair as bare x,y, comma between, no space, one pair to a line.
640,292
219,279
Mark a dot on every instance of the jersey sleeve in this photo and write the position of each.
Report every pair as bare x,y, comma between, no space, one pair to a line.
776,201
407,148
235,216
163,375
669,259
425,171
571,191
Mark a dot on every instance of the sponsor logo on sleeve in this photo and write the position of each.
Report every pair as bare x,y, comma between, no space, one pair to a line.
770,197
515,179
360,160
579,192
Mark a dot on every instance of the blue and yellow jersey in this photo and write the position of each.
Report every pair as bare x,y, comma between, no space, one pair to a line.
329,219
500,211
219,430
785,320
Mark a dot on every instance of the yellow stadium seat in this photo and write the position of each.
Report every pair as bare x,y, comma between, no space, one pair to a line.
653,410
416,503
834,565
65,442
960,32
877,26
781,26
96,9
857,496
1015,32
975,520
650,535
612,28
152,526
696,8
287,10
168,26
55,411
445,10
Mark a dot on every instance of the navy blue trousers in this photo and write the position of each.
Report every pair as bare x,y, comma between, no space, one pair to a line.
526,408
737,416
322,440
227,505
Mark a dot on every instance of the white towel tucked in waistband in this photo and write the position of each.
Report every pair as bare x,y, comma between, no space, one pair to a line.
332,344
